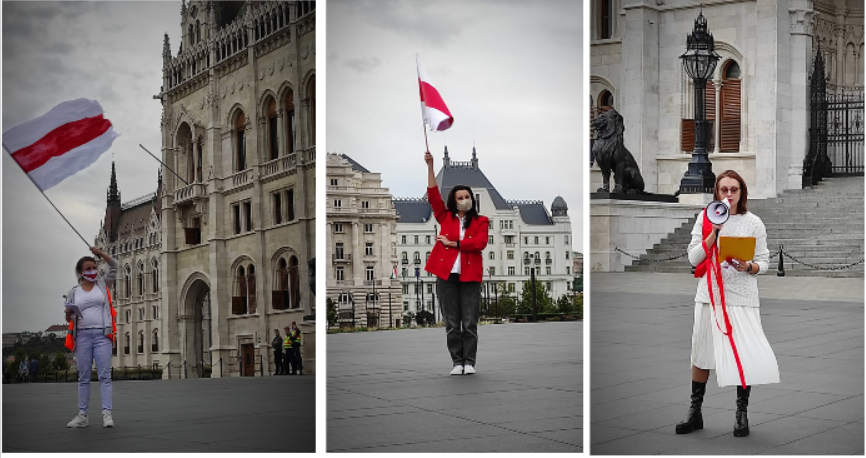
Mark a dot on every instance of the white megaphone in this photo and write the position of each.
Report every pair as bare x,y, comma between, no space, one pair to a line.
718,211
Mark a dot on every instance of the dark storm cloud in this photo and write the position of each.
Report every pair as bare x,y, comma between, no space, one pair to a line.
56,51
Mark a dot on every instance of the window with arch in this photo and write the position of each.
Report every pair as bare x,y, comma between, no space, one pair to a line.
311,93
244,290
286,293
128,315
140,342
492,255
154,341
605,101
240,142
404,258
141,279
290,121
197,31
155,312
127,285
126,342
724,131
271,115
417,258
191,34
155,275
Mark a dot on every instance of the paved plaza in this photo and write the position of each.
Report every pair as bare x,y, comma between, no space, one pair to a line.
270,414
641,326
389,391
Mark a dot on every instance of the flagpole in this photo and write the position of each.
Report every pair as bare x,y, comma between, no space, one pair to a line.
424,126
55,207
163,164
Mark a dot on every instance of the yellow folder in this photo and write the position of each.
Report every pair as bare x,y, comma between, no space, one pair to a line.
742,248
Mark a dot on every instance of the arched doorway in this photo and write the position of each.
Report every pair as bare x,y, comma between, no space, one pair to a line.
195,328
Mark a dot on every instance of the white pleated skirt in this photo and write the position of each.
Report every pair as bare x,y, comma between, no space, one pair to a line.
712,350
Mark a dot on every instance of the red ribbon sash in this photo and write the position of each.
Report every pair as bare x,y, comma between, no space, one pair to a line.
711,265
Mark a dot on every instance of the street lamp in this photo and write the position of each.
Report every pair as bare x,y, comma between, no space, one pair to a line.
699,61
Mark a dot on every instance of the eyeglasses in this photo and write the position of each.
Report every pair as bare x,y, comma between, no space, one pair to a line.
732,190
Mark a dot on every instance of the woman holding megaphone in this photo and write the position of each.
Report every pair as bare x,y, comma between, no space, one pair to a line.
727,334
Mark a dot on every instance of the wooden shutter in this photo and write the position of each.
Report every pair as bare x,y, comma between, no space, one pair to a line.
237,305
731,114
688,134
710,101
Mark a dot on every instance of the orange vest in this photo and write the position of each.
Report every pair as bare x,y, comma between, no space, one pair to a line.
70,339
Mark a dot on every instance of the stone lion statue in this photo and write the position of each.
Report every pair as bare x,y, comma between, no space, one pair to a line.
612,155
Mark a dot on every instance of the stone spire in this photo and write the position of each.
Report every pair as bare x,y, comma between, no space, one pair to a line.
112,209
113,191
182,8
446,161
166,50
474,159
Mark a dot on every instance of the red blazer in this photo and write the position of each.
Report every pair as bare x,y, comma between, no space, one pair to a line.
474,240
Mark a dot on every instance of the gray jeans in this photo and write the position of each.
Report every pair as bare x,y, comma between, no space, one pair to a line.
460,302
93,345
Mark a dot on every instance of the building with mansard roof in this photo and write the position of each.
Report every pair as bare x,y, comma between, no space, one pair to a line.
524,234
221,254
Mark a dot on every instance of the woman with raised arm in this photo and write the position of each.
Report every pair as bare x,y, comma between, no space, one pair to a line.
727,334
457,263
93,333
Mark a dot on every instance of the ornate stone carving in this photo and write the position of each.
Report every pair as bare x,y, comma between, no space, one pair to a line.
802,21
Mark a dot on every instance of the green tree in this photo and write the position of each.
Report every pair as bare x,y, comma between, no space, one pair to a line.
408,319
61,362
332,312
564,305
578,305
542,298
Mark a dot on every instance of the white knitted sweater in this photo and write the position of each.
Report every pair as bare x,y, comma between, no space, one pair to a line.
741,288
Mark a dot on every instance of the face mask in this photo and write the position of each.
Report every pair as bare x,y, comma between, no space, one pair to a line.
464,205
89,275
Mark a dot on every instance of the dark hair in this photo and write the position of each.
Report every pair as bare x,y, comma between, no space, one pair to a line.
742,207
452,203
79,266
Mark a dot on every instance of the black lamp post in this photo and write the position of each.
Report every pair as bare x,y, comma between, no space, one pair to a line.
699,61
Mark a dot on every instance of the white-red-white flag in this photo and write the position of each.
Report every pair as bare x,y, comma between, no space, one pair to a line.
433,109
60,143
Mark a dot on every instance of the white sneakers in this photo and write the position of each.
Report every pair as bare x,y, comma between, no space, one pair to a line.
107,421
463,370
80,421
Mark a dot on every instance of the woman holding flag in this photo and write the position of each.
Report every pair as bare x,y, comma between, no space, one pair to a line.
457,262
727,334
92,333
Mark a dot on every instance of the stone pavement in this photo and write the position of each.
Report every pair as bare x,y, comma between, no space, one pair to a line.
270,414
389,391
641,325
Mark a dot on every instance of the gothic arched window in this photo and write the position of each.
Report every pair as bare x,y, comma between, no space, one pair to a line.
240,142
290,121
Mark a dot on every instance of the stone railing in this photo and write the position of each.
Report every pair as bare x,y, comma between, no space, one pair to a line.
277,166
238,179
190,193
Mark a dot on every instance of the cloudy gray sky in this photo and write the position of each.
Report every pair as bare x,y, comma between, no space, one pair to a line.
56,51
509,71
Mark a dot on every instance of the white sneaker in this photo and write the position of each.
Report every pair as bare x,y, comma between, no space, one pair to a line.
458,370
80,421
468,369
107,421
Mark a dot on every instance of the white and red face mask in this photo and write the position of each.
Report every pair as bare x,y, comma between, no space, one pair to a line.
90,275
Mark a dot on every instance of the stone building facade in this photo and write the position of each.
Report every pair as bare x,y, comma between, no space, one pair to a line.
758,99
362,229
521,232
219,256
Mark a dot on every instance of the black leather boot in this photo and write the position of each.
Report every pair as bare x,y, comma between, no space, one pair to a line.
741,427
694,420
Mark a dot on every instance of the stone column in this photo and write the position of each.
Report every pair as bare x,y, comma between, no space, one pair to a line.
639,99
717,122
802,22
840,48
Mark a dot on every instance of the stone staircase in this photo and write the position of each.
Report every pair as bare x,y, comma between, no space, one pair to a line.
822,226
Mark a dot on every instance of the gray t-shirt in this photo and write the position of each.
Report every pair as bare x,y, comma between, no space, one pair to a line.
91,304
